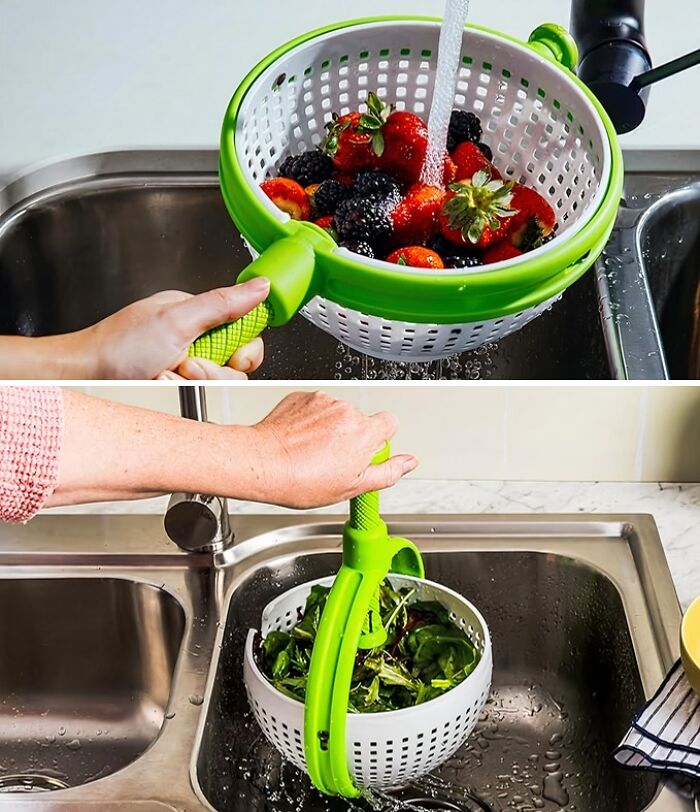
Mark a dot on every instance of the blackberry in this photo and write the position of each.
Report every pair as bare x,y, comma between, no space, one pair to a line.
454,256
359,247
377,184
486,150
461,261
328,195
309,167
463,127
286,168
362,218
440,245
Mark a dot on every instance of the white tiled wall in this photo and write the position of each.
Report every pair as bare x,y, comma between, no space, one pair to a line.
568,433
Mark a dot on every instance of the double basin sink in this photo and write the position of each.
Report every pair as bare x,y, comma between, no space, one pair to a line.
121,675
82,238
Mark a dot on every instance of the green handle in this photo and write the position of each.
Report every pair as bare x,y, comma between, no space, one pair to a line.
555,42
351,620
364,509
219,344
290,265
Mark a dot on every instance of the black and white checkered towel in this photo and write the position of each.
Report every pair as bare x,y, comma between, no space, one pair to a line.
665,736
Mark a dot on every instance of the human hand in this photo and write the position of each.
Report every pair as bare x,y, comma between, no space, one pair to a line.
313,450
150,338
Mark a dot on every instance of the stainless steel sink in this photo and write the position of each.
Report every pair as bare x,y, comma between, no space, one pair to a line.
81,239
85,676
649,277
84,237
582,610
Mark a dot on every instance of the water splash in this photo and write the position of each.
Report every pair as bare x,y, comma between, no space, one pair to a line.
475,364
449,52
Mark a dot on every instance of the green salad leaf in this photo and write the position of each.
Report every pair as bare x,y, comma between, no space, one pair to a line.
426,653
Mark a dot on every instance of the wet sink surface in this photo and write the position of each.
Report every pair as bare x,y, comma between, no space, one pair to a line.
649,277
85,677
565,687
135,648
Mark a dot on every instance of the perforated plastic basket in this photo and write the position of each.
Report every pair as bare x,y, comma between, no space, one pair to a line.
383,749
546,129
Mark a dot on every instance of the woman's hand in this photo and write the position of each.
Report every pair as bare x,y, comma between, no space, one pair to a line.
150,338
313,450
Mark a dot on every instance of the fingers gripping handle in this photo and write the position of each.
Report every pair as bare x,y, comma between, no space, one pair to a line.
364,509
219,344
290,265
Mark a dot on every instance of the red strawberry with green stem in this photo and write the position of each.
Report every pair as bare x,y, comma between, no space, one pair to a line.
350,146
415,218
477,211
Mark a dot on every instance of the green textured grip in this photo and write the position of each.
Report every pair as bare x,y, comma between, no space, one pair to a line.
364,509
219,344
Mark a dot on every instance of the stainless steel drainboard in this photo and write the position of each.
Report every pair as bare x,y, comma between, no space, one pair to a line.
582,610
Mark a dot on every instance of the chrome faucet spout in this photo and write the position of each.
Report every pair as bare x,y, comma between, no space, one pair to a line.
197,522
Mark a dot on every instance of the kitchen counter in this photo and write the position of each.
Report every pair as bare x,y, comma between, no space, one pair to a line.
90,77
674,506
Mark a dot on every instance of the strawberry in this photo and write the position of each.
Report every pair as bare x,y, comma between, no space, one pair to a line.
477,211
415,218
470,159
416,256
349,145
500,251
450,174
534,221
289,196
405,143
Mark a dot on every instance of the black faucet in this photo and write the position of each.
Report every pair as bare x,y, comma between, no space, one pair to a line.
612,55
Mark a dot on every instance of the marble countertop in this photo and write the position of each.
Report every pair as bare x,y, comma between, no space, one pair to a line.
674,506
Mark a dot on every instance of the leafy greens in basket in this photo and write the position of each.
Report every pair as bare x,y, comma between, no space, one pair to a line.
425,654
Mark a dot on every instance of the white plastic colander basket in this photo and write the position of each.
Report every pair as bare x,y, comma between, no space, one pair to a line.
542,126
383,749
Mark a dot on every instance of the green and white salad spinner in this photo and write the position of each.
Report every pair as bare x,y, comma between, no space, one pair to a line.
344,752
545,127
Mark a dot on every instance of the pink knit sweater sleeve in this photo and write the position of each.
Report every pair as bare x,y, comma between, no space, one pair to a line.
31,428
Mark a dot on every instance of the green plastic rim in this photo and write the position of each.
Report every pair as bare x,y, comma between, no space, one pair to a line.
423,297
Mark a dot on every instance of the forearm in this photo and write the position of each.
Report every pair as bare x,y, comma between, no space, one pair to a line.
63,357
111,451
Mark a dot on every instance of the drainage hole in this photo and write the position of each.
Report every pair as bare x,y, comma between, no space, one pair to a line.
30,783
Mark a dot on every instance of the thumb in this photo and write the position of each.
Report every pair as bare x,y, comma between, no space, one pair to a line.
378,477
198,314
